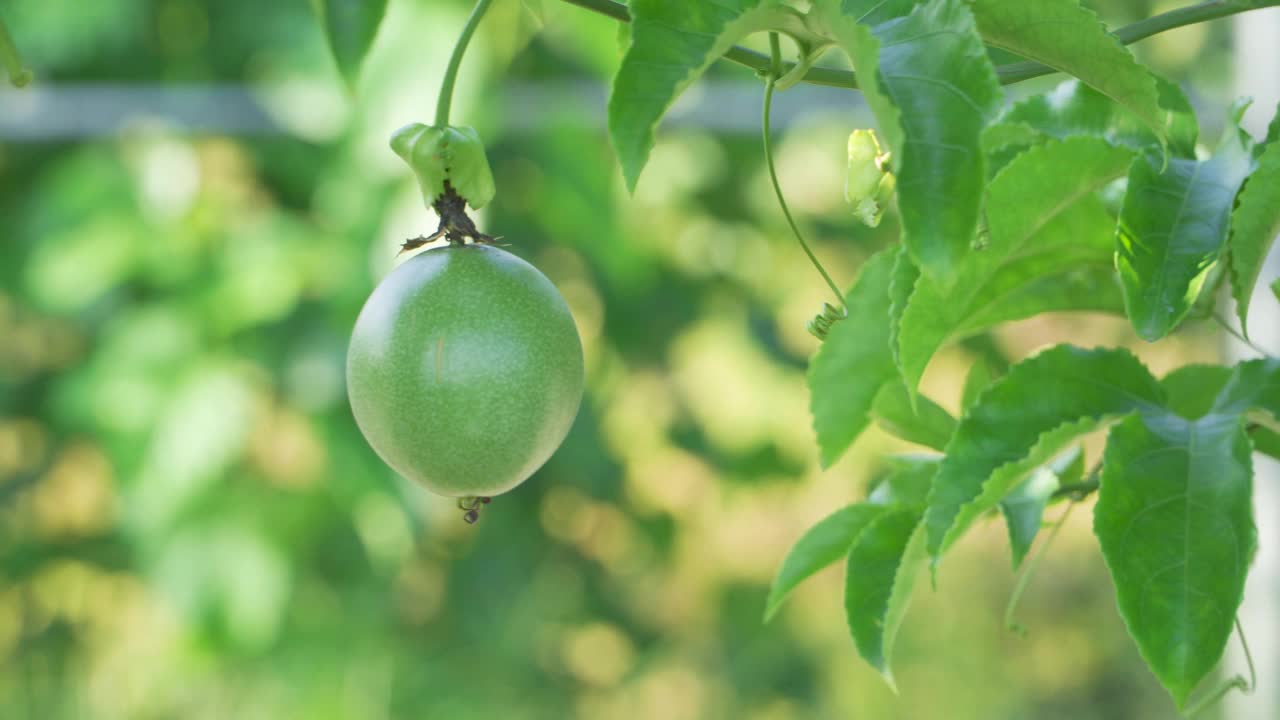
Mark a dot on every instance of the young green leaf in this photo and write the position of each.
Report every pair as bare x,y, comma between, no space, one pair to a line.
1023,508
1174,519
853,362
823,544
1023,420
1071,38
925,424
672,45
1253,385
881,572
1041,210
350,27
1254,226
934,91
907,482
1173,227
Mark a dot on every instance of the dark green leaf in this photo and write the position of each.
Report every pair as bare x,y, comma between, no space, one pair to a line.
1024,419
1254,385
672,44
1174,519
1023,508
1254,226
1173,227
1192,390
1041,211
350,27
882,569
976,380
934,90
823,544
926,424
1266,441
853,362
1071,38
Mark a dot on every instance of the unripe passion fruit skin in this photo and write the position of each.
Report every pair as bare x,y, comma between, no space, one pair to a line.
465,370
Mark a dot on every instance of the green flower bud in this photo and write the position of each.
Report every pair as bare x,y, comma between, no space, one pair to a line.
870,184
452,155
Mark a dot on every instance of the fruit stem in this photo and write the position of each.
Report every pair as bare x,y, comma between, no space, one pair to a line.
455,225
455,61
771,77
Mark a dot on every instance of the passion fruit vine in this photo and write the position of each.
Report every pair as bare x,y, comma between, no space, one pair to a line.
465,371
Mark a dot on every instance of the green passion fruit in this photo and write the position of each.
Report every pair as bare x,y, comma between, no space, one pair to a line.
465,370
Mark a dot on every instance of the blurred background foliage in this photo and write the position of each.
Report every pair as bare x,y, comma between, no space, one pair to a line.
191,525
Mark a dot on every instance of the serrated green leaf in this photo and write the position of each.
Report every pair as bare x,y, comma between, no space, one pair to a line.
672,44
1174,519
1071,38
1254,226
1173,227
1193,390
1074,109
907,482
1024,419
1253,385
1024,289
926,424
976,380
350,27
881,572
901,284
1043,220
934,90
853,362
1023,508
823,544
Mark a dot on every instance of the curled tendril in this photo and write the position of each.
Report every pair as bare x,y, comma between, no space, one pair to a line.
471,506
821,323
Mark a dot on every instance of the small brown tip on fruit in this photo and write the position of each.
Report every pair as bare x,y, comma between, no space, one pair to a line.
471,517
486,500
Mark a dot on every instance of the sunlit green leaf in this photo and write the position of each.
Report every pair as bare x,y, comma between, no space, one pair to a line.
1041,212
350,27
926,424
1174,519
934,92
853,362
1254,226
881,571
1071,38
823,544
672,44
1173,227
1021,421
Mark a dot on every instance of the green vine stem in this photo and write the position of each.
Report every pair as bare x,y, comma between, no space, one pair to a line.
455,61
771,79
11,60
1009,73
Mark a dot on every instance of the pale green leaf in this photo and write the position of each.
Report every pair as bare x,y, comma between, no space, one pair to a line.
1023,508
924,424
350,27
853,362
881,571
672,44
1043,219
907,482
1066,36
822,545
1174,519
1254,227
1024,419
1173,227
